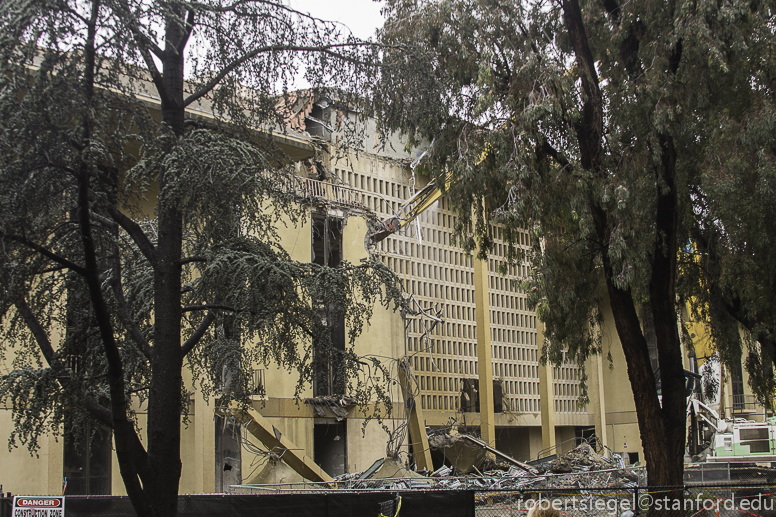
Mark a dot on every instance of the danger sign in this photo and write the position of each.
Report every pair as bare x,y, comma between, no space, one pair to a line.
38,506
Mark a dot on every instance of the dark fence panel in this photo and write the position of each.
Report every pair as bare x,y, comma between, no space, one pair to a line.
334,504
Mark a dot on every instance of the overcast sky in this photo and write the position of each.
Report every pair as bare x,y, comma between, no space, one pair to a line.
361,16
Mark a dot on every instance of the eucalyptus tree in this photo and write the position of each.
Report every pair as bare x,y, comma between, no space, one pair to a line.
142,192
617,132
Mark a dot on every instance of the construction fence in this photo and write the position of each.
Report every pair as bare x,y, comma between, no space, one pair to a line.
333,503
696,501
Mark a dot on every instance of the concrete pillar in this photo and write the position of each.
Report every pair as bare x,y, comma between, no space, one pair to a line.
547,403
203,455
597,397
484,352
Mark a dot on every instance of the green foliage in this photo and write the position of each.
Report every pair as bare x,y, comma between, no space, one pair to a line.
120,212
502,93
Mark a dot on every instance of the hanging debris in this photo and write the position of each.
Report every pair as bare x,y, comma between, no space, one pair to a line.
338,405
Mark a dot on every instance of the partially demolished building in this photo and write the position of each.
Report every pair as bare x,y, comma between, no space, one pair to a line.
473,347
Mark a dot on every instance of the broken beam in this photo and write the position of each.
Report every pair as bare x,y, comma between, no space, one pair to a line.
274,440
417,426
499,454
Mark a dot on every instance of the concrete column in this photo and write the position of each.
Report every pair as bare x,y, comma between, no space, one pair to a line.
202,457
597,397
547,403
484,352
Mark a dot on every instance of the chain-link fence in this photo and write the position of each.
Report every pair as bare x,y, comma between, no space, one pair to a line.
691,501
729,473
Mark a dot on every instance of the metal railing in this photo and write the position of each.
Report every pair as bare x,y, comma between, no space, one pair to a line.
313,189
338,194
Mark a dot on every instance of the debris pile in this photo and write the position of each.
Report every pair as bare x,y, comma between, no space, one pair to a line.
577,470
580,468
467,454
276,472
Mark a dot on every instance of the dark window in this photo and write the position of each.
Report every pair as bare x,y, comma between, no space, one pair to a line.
470,396
737,380
87,462
330,378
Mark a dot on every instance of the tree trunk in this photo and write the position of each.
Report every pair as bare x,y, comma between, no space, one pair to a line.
164,400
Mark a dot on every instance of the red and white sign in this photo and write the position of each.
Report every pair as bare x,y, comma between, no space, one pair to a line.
38,506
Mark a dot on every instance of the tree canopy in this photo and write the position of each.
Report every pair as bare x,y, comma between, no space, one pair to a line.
635,140
142,194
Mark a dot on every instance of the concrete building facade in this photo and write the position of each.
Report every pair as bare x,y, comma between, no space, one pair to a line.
535,409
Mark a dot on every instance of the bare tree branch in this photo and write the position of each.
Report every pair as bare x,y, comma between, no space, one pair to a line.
195,338
146,46
45,252
38,332
124,314
135,232
206,307
189,28
325,49
189,260
98,411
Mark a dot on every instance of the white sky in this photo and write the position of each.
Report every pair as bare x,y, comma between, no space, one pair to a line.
361,16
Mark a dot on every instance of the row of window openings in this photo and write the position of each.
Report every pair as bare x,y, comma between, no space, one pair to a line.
434,290
461,366
514,270
405,246
411,268
394,190
470,313
513,319
452,384
497,233
511,353
447,330
442,238
513,336
568,406
423,364
364,182
424,252
500,250
421,251
506,301
449,402
434,272
417,344
565,374
565,390
514,370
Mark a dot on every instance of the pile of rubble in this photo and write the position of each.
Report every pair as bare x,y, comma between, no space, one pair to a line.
577,470
580,468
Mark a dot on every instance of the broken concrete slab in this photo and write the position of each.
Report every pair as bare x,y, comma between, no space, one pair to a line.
392,468
469,454
276,472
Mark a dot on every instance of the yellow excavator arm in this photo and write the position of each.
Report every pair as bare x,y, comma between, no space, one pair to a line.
410,210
